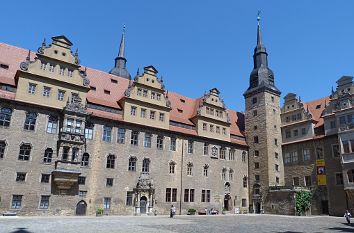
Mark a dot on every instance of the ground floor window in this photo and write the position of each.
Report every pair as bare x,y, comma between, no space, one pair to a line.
16,201
107,203
205,195
44,204
189,195
129,198
244,203
171,195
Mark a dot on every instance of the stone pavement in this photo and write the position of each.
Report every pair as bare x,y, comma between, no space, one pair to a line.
163,224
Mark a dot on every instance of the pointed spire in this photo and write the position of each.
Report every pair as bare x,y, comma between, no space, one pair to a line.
138,72
43,43
122,45
259,34
332,90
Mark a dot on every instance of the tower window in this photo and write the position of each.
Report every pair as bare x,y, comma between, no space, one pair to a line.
254,100
255,113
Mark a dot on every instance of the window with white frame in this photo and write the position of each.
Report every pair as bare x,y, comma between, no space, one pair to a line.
147,140
52,125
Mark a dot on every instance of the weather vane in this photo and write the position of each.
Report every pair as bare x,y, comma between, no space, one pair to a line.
259,16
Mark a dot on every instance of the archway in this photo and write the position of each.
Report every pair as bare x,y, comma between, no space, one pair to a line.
81,208
227,202
143,202
258,208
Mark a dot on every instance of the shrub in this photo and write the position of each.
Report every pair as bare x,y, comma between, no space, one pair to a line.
303,202
191,211
99,211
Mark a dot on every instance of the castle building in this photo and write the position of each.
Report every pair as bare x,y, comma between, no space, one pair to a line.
75,140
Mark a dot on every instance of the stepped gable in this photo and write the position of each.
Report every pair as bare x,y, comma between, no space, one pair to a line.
316,108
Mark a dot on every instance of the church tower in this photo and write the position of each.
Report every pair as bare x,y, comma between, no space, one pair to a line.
262,127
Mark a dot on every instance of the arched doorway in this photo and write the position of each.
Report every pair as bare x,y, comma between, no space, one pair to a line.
81,208
143,202
227,202
258,208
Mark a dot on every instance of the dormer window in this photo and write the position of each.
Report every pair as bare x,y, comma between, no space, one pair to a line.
61,71
51,67
43,66
46,91
182,100
153,94
113,80
70,73
158,96
93,88
4,66
107,92
139,92
179,110
318,106
145,93
56,51
64,54
254,100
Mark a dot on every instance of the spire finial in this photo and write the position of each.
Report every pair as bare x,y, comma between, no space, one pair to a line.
43,43
138,72
28,58
259,35
259,16
122,44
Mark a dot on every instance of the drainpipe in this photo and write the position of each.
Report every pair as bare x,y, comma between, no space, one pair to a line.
180,193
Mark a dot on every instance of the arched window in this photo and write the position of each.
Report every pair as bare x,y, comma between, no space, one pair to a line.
25,152
30,121
223,174
189,168
132,164
52,124
5,116
245,181
222,153
350,174
146,165
85,160
172,167
232,154
205,171
48,153
231,174
110,161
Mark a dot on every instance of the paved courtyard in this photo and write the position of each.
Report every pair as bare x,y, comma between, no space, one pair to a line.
163,224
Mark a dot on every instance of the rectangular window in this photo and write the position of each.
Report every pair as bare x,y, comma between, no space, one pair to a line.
168,194
256,153
255,139
190,146
89,130
303,131
153,95
45,178
143,113
257,177
44,204
319,153
205,127
339,178
147,140
173,144
61,95
52,125
78,124
206,149
132,110
222,153
296,181
81,180
333,124
296,133
65,154
287,134
174,195
129,201
2,149
159,142
276,166
139,92
134,138
232,154
224,131
109,182
145,93
306,154
16,201
162,116
152,115
287,158
171,195
107,133
256,165
308,181
82,194
205,195
46,91
189,195
121,136
21,177
217,129
107,203
32,88
211,128
244,203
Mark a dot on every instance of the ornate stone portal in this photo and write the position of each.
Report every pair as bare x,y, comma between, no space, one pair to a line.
144,195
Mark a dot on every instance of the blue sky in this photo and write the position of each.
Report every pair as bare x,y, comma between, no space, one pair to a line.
198,45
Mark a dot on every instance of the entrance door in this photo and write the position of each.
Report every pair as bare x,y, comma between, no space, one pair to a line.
258,207
81,208
227,200
143,201
324,207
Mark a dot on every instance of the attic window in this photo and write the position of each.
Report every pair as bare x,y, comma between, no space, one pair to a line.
4,66
182,100
64,54
56,51
318,106
93,88
107,92
113,80
179,110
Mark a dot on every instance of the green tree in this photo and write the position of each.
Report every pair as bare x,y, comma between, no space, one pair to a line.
303,202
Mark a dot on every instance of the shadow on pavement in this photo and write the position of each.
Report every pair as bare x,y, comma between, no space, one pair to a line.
345,228
21,230
290,232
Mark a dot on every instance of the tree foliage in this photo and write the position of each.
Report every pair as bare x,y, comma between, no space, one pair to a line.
303,202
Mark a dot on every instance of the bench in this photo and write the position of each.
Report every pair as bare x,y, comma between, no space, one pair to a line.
9,214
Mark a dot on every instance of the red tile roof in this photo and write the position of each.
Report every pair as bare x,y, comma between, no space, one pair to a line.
182,111
316,108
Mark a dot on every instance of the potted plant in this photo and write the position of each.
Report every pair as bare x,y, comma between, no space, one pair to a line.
99,212
191,212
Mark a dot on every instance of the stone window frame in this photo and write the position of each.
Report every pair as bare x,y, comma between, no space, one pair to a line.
306,183
45,178
65,154
89,127
107,201
159,142
61,95
111,159
339,179
46,91
223,173
350,176
190,146
294,178
231,174
145,168
188,195
147,139
232,154
152,115
133,110
205,170
109,182
306,156
206,194
81,180
134,138
85,159
3,148
16,202
31,88
25,152
173,142
5,116
243,156
206,148
162,117
52,124
172,167
338,150
132,163
245,182
82,193
129,198
189,169
30,121
205,126
107,133
21,177
121,135
222,153
143,112
44,202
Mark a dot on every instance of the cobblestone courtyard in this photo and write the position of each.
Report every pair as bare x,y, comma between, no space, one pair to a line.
163,224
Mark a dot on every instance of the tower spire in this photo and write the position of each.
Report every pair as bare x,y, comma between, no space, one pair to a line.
119,68
259,34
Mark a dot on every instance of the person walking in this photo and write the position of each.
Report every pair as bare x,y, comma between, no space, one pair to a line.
347,216
172,211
